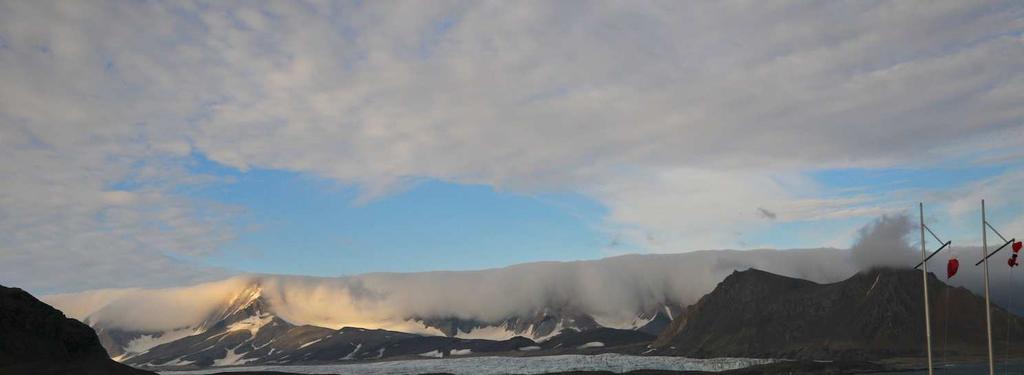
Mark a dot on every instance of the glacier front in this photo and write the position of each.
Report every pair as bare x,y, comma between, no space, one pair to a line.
617,363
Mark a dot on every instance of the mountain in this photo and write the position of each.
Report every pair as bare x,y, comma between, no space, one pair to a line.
538,325
246,331
265,318
871,315
259,320
38,339
546,323
528,300
535,301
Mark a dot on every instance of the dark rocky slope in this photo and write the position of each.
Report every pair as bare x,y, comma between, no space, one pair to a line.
872,315
610,339
38,339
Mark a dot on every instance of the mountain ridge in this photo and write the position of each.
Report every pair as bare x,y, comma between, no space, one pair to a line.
249,334
614,291
248,302
871,315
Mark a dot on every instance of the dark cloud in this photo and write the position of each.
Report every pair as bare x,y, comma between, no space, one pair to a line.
765,213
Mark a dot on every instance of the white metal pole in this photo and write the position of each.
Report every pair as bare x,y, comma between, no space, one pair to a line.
924,278
988,305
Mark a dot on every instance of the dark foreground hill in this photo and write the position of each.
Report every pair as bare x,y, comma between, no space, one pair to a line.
872,315
39,340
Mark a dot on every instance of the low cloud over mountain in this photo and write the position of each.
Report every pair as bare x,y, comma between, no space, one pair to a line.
612,290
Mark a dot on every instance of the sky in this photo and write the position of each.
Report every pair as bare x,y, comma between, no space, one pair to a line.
148,143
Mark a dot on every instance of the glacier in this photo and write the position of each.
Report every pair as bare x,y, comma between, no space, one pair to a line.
618,363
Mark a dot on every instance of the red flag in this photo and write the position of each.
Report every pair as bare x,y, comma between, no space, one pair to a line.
951,267
1016,246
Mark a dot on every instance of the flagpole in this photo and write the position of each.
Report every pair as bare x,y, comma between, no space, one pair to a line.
988,305
924,276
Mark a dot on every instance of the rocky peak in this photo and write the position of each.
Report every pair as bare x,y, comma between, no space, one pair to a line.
247,303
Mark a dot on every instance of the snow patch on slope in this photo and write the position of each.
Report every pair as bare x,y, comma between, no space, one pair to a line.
407,326
873,285
175,362
143,343
232,358
555,332
355,351
310,343
634,323
432,354
497,333
251,324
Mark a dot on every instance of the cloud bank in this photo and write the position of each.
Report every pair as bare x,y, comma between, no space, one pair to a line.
613,290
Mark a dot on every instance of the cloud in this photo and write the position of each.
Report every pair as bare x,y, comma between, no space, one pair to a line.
884,243
687,209
763,212
677,117
613,290
151,309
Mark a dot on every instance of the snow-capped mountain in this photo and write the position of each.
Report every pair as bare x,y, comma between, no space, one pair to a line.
290,319
547,323
245,331
245,310
537,326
